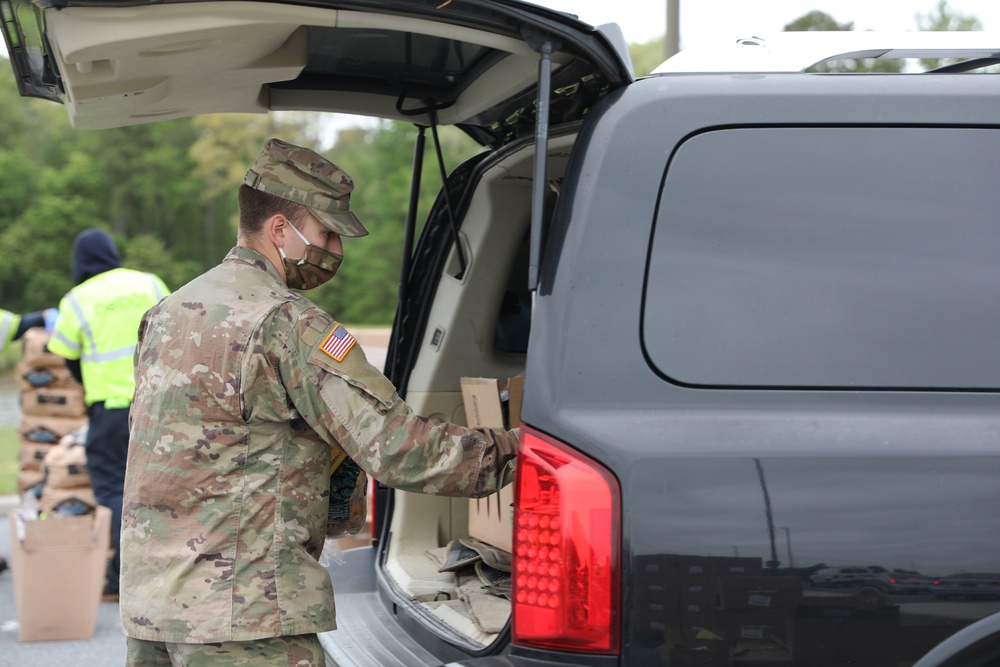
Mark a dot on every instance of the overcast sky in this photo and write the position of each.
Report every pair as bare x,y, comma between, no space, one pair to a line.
642,20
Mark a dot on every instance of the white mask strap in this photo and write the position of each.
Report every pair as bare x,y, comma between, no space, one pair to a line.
295,229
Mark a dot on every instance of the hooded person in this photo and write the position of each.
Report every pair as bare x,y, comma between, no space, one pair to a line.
96,332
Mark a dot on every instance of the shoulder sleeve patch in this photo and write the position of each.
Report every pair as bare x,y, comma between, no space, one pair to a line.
353,366
338,343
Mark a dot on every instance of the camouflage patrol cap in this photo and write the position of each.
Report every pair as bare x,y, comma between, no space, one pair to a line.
303,176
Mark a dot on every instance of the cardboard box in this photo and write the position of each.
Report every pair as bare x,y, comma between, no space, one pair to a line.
58,566
760,627
48,429
736,566
27,479
66,467
54,401
670,597
680,565
31,455
34,341
491,519
29,376
51,498
760,593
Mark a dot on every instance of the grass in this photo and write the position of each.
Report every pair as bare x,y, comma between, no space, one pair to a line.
9,356
10,440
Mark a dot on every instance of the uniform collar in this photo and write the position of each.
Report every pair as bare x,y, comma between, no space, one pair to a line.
242,253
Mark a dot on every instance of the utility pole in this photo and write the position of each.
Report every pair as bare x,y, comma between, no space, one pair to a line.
788,543
673,39
774,562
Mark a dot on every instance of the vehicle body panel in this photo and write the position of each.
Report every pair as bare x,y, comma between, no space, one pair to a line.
831,459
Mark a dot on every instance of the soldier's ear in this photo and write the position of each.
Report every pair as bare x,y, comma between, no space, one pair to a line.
276,227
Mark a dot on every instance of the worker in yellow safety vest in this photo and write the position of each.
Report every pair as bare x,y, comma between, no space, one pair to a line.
13,326
96,332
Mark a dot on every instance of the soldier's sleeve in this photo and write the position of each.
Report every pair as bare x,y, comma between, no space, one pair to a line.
354,406
66,337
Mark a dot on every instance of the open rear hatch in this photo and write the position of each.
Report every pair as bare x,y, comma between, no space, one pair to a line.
473,63
513,76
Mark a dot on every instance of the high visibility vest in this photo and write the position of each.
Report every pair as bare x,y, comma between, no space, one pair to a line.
8,327
98,324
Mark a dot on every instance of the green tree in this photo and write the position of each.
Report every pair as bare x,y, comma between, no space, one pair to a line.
166,192
943,18
224,147
821,21
17,187
817,21
380,158
152,189
20,158
646,56
71,198
148,253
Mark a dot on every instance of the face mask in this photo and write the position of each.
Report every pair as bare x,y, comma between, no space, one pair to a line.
314,268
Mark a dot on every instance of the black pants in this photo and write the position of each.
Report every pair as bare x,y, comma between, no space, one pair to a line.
107,452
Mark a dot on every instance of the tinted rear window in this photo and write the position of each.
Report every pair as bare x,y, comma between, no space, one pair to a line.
828,257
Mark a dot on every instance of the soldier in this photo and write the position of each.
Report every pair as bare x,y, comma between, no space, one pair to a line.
96,334
245,392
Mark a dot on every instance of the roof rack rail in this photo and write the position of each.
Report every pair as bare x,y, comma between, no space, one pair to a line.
797,51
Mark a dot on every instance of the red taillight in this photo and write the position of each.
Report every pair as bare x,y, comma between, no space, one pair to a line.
567,572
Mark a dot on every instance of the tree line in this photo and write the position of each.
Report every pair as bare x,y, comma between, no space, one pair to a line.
167,194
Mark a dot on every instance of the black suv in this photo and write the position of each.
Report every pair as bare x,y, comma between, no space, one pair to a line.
759,300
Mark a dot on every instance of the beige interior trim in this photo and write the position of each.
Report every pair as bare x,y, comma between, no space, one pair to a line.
129,65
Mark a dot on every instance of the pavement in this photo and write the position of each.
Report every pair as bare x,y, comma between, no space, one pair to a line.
107,647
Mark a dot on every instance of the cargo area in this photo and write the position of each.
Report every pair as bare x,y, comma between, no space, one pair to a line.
474,380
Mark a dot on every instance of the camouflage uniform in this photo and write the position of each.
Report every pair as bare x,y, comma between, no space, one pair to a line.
301,651
237,412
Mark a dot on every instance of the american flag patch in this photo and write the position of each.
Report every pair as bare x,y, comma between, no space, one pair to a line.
338,343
